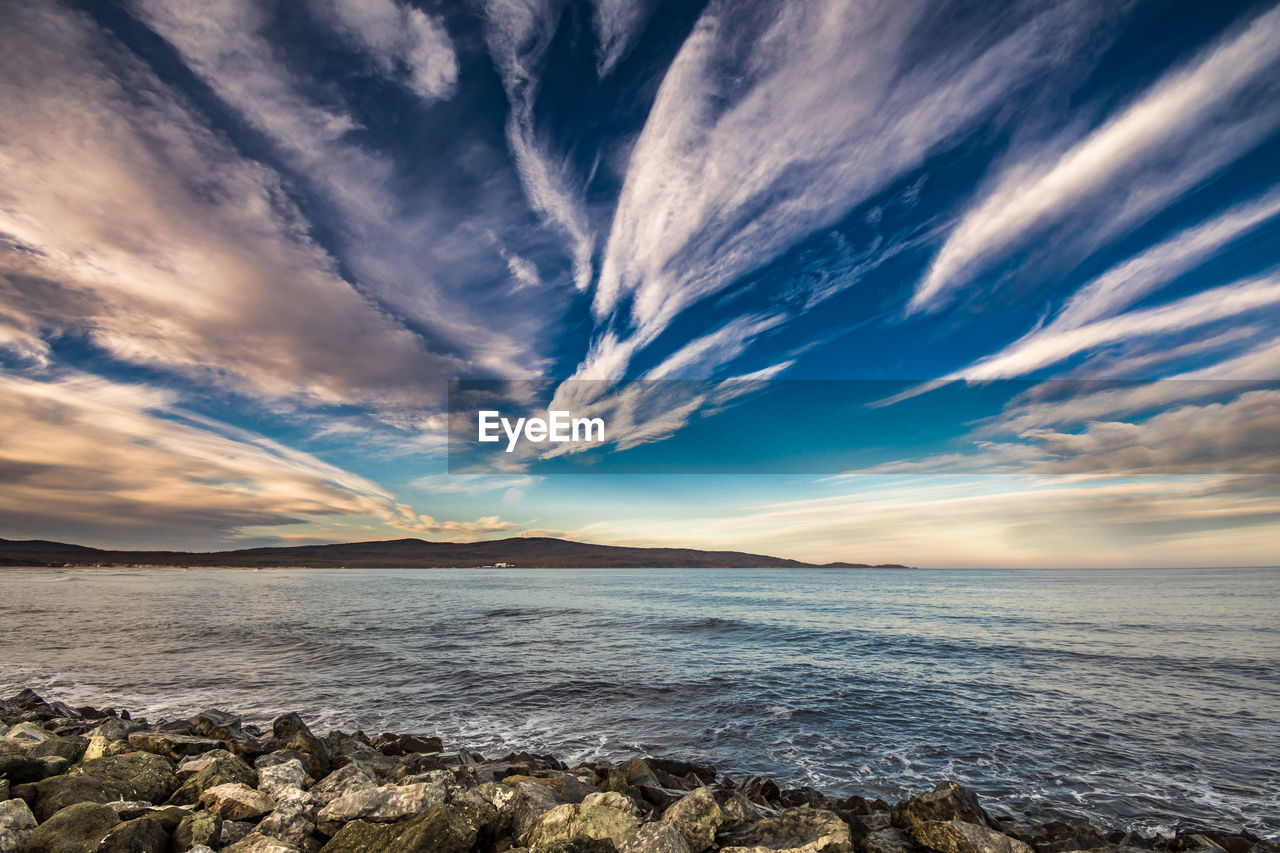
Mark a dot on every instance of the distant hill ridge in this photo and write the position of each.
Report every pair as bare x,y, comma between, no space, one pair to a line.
520,552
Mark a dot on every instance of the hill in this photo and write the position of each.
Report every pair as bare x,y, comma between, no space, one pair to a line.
532,552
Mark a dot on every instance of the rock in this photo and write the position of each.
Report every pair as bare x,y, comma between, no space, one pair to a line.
28,733
196,829
957,836
637,772
1059,837
56,793
169,816
737,809
276,777
111,729
345,780
759,790
222,771
236,801
233,831
448,829
99,746
797,830
887,840
171,744
76,829
803,796
142,835
390,744
613,800
293,733
201,848
282,756
152,776
218,725
660,837
442,829
193,764
19,768
294,818
70,748
581,845
705,774
568,788
4,790
360,836
380,805
527,806
16,825
946,802
697,816
255,842
574,821
129,809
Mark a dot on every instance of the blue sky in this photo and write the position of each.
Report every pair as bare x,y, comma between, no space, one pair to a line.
245,246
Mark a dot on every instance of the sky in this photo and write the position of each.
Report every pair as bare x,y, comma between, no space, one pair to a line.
944,284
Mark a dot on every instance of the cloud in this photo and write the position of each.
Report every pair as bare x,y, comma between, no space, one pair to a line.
130,222
406,43
986,522
518,33
1183,129
1058,343
1074,330
617,24
398,250
84,457
775,121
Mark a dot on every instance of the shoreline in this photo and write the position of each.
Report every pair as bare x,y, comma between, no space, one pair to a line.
106,780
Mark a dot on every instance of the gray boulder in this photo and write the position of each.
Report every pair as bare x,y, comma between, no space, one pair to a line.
660,837
571,821
697,816
222,771
196,829
527,806
16,825
76,829
235,801
294,818
276,777
947,801
383,804
152,776
141,835
345,780
795,830
172,744
957,836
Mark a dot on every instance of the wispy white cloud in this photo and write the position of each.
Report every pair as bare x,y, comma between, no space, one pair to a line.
988,522
775,121
406,43
617,24
1058,343
130,222
519,33
84,457
388,245
1179,132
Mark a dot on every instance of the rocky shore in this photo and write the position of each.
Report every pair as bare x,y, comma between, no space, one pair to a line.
75,780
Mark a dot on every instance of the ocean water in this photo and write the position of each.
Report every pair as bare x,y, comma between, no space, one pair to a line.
1133,698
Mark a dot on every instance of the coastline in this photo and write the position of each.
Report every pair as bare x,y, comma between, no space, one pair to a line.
101,779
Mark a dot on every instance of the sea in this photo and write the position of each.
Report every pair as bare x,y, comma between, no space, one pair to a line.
1133,699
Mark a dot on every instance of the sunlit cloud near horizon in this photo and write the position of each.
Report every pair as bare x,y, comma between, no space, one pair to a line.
245,247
